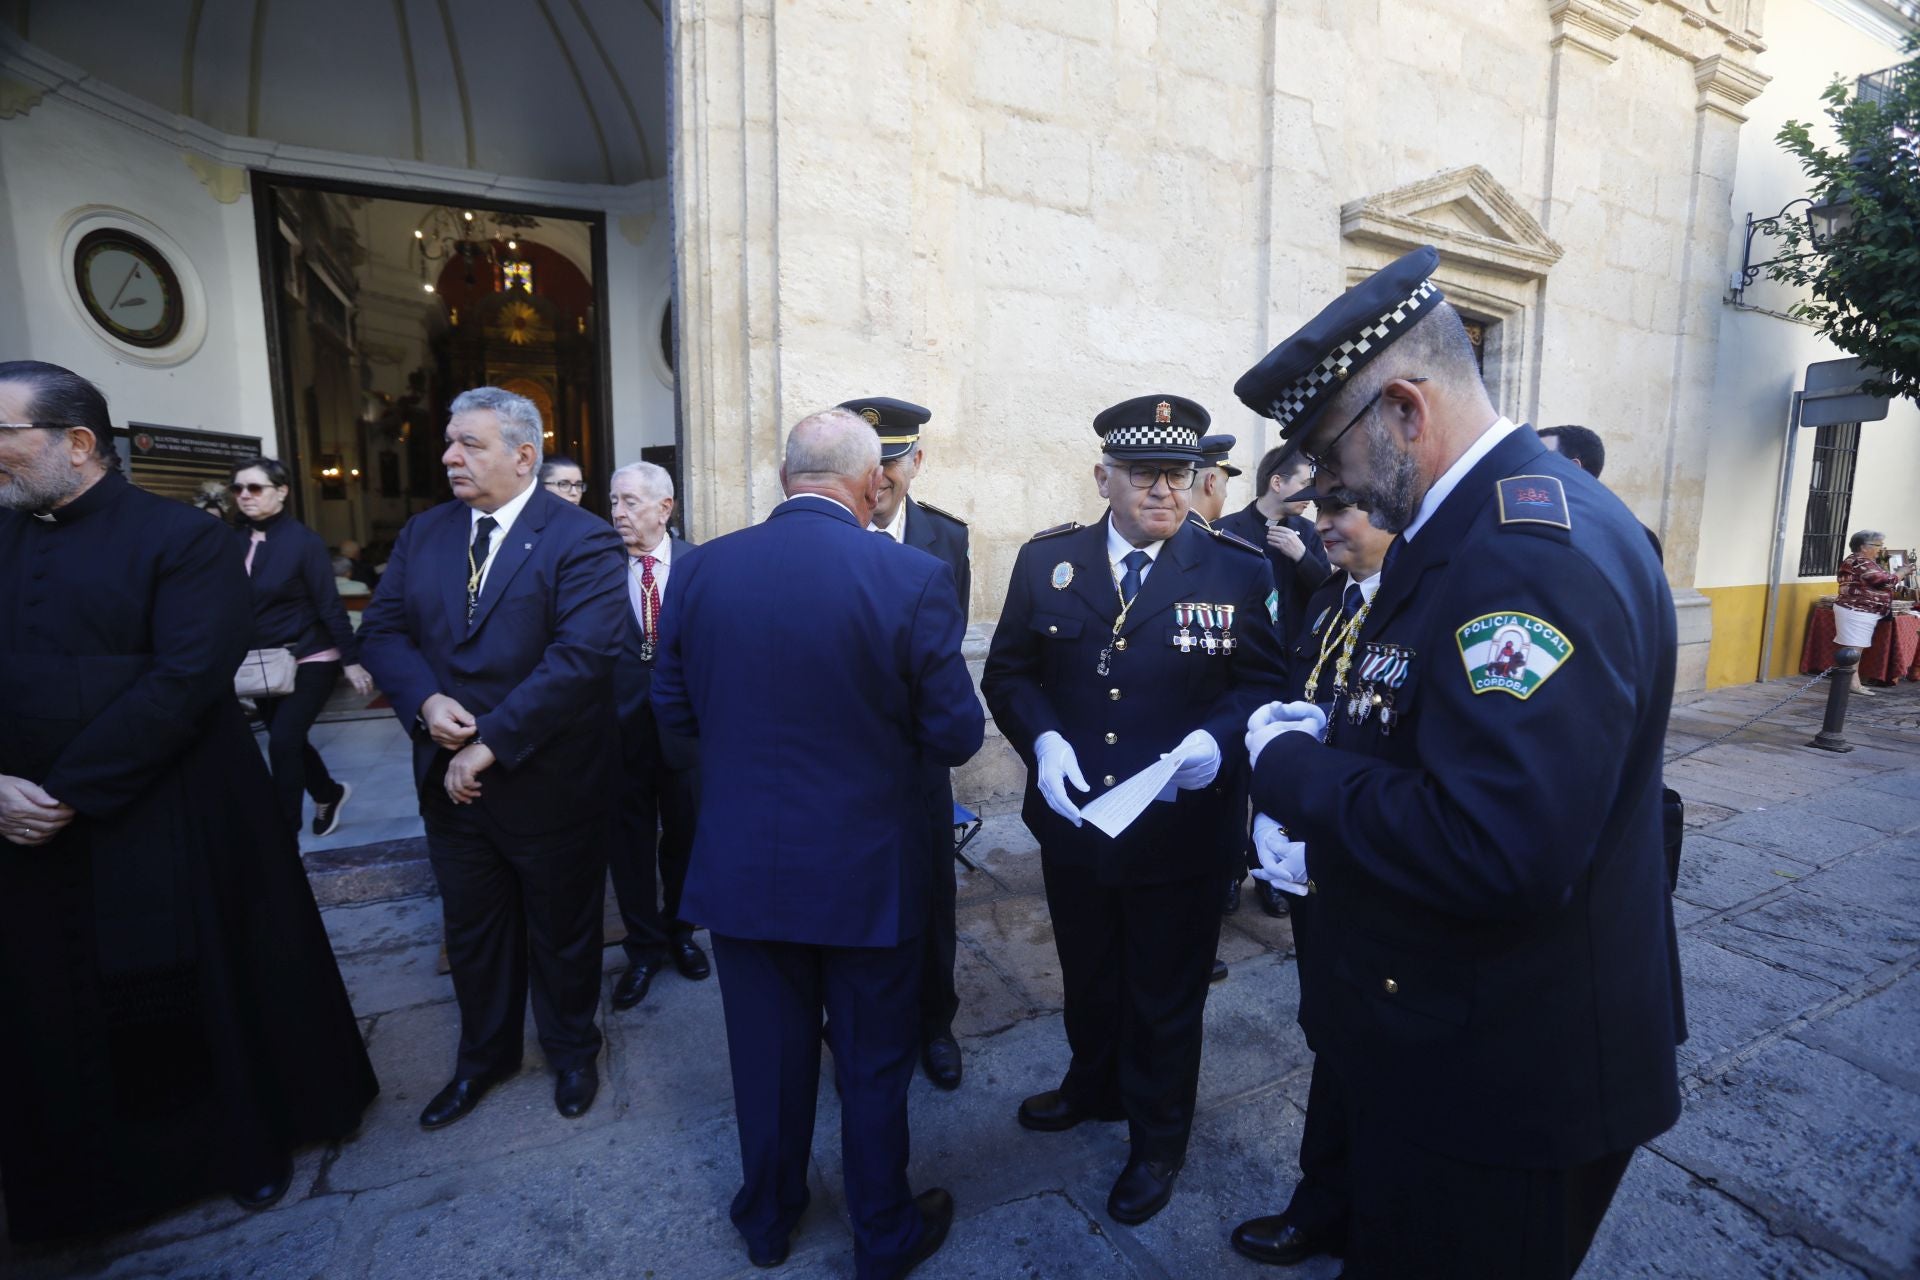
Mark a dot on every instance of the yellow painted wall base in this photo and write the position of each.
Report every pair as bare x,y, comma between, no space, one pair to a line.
1738,613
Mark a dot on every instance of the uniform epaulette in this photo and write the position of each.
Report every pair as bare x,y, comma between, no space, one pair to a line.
1228,536
1533,500
1068,527
928,506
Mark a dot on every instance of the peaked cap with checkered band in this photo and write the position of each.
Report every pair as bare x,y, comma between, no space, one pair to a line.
1298,378
1153,429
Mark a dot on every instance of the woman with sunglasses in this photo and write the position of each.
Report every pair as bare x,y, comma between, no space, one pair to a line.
295,606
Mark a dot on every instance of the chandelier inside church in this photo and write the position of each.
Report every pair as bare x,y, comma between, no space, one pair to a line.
487,242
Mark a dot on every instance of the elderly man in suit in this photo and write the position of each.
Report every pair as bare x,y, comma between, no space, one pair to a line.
820,669
494,632
653,817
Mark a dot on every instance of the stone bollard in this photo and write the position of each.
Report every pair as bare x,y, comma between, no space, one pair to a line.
1833,732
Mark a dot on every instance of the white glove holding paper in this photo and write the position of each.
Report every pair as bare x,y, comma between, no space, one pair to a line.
1196,761
1283,862
1054,765
1276,718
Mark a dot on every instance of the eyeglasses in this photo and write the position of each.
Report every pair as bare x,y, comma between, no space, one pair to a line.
251,490
1318,460
1142,476
568,486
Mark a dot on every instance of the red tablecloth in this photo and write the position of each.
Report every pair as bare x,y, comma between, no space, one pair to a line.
1894,656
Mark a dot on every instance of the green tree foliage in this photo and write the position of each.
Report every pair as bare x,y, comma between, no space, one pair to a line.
1864,284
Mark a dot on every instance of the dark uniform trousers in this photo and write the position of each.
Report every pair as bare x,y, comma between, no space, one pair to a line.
514,903
652,840
774,994
939,999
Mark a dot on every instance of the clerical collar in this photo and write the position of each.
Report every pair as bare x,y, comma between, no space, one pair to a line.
99,494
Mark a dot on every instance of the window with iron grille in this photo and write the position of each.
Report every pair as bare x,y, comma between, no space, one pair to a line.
1829,499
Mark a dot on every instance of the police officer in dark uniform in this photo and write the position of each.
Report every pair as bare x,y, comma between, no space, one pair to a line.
1136,639
944,537
1494,982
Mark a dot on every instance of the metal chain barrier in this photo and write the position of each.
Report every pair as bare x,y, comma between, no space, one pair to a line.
1748,724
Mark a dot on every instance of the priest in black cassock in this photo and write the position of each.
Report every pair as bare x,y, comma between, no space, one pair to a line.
173,1020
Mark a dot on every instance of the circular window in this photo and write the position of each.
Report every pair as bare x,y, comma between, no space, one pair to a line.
128,287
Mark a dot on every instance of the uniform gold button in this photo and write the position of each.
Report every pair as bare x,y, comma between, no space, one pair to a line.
1120,642
1393,988
1112,738
1053,631
1113,695
1107,781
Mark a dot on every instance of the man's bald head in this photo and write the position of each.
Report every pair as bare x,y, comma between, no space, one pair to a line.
835,454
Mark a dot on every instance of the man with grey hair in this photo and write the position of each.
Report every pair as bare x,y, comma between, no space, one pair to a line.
494,632
653,817
819,667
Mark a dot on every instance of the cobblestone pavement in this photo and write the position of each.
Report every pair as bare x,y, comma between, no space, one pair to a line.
1796,1156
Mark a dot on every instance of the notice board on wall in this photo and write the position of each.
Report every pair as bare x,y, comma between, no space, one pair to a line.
175,461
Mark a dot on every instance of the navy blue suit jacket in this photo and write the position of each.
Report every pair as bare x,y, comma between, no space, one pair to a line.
535,667
1498,851
819,666
633,675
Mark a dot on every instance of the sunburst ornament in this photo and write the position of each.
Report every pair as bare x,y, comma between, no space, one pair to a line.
520,321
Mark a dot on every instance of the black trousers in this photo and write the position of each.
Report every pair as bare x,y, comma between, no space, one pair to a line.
1320,1198
939,999
518,907
652,841
774,994
297,767
1419,1213
1135,962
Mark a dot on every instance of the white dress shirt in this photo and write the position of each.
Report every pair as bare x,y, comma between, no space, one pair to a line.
1367,586
821,497
1118,548
663,565
1450,479
509,512
897,527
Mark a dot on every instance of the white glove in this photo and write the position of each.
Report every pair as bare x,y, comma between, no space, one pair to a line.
1198,758
1283,862
1276,718
1054,765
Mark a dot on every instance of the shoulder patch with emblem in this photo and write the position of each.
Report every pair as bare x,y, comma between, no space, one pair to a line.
1058,529
1533,500
928,506
1514,653
1228,536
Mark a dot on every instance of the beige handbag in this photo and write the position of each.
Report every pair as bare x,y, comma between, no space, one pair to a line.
265,673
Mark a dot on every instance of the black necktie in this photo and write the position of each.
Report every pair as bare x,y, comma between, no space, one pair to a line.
477,559
1136,562
1351,600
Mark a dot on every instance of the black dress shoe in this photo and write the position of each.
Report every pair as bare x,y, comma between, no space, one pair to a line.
459,1097
1272,901
1280,1241
1232,903
689,959
936,1219
1053,1111
574,1091
268,1194
770,1256
633,984
1219,973
1143,1190
941,1058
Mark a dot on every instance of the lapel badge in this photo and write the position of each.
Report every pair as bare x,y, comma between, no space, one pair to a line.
1163,414
1062,576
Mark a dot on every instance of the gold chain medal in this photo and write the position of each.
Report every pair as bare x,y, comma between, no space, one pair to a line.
1343,639
1105,665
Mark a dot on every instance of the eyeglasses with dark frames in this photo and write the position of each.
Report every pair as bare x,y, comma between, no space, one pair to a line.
1318,460
568,486
1142,476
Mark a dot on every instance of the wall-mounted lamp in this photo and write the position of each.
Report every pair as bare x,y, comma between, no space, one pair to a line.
1825,223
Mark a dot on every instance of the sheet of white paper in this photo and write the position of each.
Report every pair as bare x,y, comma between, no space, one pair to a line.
1115,811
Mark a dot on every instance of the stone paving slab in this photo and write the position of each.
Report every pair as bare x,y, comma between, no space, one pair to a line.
1733,1000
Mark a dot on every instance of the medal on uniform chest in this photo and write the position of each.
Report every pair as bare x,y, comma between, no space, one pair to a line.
1117,641
1183,638
1209,619
1227,642
1062,576
646,649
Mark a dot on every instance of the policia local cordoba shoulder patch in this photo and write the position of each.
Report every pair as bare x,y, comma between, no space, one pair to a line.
1512,652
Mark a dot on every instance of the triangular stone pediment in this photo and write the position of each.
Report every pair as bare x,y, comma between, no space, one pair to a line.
1464,213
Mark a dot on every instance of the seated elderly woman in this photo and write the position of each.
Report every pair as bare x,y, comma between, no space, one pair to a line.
1865,587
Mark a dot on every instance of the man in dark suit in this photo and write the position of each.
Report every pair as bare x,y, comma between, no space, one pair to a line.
494,633
944,537
820,670
1276,521
653,817
1495,980
1142,637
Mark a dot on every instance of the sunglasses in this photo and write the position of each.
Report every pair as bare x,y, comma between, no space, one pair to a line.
251,490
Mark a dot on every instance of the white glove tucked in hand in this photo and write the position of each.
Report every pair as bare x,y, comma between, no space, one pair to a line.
1054,765
1283,862
1276,718
1198,761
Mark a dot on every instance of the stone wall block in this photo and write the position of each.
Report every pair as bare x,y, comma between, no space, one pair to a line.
1046,163
1033,247
1023,69
1222,41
